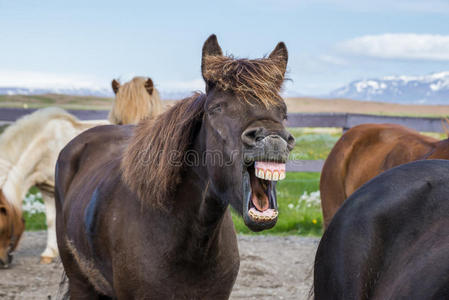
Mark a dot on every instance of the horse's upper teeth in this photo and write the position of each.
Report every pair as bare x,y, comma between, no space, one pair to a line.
268,175
269,170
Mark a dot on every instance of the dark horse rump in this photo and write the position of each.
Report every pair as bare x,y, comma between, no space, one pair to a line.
138,218
390,239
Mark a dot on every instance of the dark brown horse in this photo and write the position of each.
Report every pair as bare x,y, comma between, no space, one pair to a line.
12,226
142,211
390,239
367,150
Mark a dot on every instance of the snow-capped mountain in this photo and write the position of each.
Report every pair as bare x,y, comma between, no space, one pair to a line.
428,89
75,91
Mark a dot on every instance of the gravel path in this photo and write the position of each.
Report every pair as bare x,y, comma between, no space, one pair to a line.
271,267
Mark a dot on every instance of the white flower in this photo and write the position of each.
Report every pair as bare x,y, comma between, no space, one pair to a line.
32,205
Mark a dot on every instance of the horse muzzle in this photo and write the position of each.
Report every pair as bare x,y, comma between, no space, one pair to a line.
6,261
264,165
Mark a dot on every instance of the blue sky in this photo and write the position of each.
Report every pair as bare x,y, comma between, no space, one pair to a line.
330,42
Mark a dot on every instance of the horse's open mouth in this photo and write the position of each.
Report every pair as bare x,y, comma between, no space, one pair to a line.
260,208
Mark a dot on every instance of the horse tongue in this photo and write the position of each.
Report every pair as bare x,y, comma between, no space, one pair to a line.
258,195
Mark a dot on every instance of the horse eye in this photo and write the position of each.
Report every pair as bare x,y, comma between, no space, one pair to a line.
216,109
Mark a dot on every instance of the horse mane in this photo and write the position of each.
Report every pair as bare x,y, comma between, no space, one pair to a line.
133,103
11,224
260,78
20,133
152,162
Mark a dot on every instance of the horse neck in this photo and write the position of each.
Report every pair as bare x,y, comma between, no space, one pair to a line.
15,186
19,176
203,210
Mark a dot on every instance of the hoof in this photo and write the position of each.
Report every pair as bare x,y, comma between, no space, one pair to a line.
45,260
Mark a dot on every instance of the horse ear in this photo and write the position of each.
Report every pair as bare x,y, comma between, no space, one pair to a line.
210,47
149,86
280,56
115,86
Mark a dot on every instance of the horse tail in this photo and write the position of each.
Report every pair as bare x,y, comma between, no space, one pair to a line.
63,290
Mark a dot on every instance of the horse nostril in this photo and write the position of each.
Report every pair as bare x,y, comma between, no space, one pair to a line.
291,141
252,135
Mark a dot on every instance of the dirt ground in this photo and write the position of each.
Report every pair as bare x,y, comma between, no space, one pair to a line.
272,267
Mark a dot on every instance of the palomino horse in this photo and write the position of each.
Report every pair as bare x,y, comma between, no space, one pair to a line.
142,211
366,150
390,239
28,153
134,101
11,229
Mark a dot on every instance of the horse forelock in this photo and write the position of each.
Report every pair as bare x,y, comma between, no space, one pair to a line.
259,79
133,103
152,162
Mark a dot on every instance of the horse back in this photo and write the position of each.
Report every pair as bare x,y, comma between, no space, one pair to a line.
390,239
88,161
363,152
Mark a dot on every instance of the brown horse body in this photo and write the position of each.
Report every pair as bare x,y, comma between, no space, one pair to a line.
367,150
142,211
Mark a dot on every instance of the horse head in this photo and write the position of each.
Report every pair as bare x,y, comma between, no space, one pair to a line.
134,101
12,226
243,120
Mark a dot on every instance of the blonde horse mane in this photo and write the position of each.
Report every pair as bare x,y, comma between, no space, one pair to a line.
24,129
133,101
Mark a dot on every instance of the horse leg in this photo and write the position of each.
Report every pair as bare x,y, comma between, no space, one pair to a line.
79,288
51,251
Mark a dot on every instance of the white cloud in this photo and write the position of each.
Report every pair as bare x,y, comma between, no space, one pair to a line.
399,46
333,60
428,6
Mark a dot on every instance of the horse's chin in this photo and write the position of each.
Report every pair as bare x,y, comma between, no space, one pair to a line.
260,209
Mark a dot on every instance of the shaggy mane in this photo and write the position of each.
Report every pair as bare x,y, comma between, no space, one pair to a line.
260,78
133,103
152,162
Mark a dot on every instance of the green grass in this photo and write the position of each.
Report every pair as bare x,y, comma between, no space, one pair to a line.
34,221
311,145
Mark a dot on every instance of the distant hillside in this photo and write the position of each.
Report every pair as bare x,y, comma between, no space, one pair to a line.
303,104
428,89
97,92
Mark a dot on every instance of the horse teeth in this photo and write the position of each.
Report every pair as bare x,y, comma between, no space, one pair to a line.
268,175
275,175
260,173
281,175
